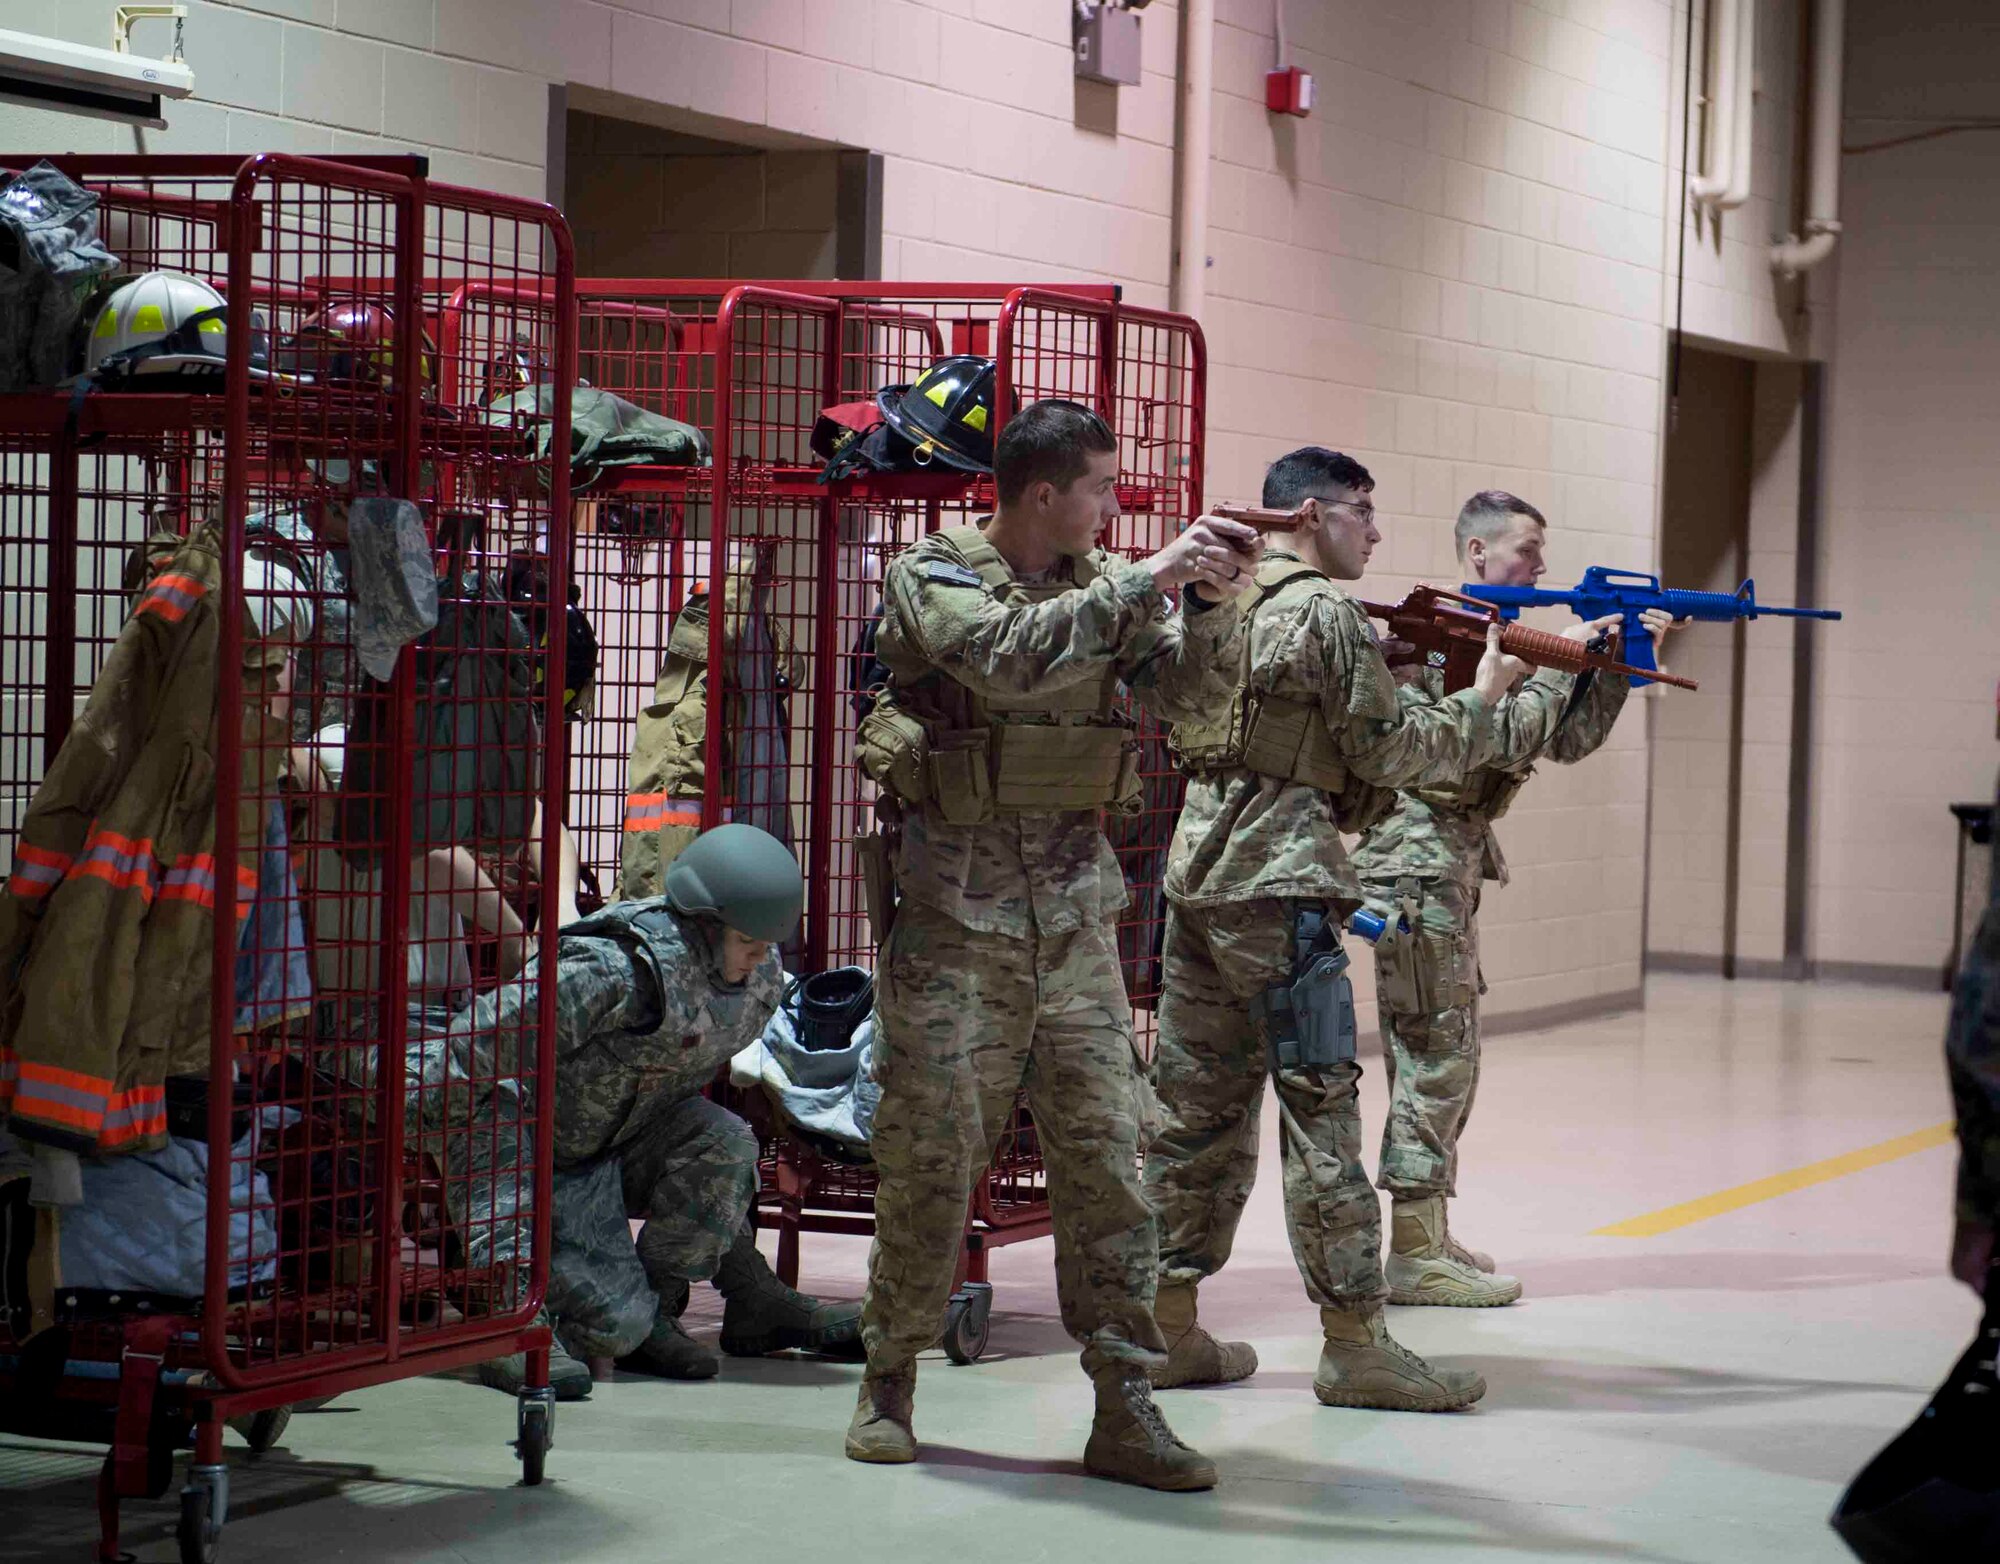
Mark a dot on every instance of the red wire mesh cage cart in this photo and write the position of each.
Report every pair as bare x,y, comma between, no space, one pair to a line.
797,564
276,686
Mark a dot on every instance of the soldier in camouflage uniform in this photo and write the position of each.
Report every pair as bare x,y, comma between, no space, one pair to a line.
1316,738
1972,1055
1427,861
652,998
1000,739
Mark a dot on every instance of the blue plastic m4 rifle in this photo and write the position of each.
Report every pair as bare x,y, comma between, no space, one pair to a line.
1627,593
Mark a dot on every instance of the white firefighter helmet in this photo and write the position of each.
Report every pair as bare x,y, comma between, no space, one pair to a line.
167,324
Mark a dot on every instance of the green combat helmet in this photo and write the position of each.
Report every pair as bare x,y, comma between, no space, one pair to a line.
745,877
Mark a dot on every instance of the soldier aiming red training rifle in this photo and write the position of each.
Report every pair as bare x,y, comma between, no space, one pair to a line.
1431,619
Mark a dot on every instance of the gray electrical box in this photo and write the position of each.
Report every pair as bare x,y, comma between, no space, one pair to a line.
1107,46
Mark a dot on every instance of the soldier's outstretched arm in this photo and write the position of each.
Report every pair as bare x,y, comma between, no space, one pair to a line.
937,610
1182,667
1385,738
1586,722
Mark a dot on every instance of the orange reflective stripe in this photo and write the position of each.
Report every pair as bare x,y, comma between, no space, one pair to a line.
191,879
55,1075
125,862
29,1104
37,871
648,812
66,1097
132,1115
125,844
170,597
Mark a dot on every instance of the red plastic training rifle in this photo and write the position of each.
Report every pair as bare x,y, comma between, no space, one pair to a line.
1434,620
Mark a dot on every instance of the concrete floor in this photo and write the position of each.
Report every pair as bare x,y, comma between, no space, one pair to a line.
1697,1396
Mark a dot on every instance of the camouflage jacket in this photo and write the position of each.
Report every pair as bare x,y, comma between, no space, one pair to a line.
1972,1056
1242,834
1445,831
643,1021
1056,872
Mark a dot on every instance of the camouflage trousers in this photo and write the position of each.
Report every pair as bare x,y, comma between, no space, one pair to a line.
691,1172
1209,1074
963,1022
462,1112
1428,986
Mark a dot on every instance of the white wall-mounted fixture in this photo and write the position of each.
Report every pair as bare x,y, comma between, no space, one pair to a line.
1724,180
49,73
1801,252
1107,41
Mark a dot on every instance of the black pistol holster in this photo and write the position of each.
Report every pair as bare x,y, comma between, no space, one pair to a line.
1310,1020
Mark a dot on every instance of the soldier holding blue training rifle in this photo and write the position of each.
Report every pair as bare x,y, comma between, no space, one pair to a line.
1426,861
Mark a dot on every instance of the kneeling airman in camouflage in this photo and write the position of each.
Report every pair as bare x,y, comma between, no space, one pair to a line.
652,998
1254,985
1000,741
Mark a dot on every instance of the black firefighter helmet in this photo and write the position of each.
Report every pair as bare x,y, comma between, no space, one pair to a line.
947,415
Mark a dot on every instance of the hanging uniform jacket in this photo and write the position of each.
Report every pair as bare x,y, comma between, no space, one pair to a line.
669,750
106,924
1310,745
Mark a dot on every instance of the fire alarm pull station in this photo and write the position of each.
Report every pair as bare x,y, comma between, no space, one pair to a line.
1289,91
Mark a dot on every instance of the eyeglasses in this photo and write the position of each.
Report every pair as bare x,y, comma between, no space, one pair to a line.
1363,510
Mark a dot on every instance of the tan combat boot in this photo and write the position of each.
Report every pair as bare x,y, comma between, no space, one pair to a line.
1362,1365
1426,1267
1193,1356
880,1433
1130,1441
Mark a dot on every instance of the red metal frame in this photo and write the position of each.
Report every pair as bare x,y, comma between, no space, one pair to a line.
263,231
752,365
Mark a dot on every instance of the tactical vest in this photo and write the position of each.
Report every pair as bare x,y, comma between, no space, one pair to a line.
1487,793
971,757
1268,734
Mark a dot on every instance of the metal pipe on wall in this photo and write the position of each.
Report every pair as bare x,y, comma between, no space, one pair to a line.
1743,128
1718,144
1191,176
1799,252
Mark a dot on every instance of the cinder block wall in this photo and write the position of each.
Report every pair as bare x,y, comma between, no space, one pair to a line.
1905,715
1461,268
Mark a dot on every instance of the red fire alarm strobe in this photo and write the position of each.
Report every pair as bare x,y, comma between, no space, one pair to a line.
1289,91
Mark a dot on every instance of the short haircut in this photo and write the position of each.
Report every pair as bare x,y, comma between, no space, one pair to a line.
1047,442
1311,473
1487,514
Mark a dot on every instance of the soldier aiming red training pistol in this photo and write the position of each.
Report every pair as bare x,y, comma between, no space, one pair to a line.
1262,517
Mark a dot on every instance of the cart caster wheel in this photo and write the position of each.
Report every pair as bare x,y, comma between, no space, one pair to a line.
204,1507
536,1432
262,1430
968,1320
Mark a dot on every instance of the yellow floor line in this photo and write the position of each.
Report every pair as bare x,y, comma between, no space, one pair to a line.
1689,1212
